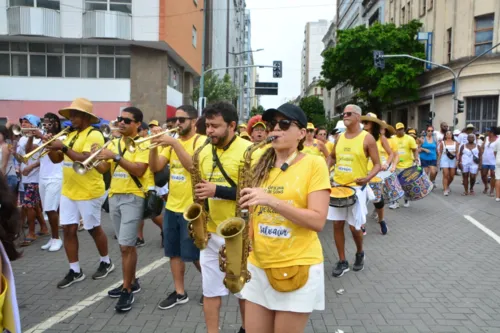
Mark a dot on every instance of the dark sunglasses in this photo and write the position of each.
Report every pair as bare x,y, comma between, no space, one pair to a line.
347,114
284,124
181,120
310,131
127,121
430,131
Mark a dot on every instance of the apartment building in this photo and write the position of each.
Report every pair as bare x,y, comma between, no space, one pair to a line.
455,33
114,52
249,73
312,61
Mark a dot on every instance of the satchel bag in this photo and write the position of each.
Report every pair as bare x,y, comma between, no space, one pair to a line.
287,279
475,158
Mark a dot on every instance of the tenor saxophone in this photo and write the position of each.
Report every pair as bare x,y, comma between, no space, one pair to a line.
195,214
233,254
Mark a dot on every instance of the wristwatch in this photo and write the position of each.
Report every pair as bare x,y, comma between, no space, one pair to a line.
117,158
64,149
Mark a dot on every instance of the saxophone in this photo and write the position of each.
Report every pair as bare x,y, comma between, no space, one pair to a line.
195,214
233,255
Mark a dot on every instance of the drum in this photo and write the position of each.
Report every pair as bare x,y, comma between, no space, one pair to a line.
415,183
342,196
392,190
376,185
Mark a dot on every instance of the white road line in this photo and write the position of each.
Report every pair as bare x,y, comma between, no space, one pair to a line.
483,228
62,315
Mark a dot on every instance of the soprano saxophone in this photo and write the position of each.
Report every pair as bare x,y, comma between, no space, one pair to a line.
234,254
195,214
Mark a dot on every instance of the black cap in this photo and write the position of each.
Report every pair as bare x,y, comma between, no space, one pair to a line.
288,110
144,126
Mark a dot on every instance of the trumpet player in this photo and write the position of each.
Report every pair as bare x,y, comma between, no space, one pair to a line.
289,198
219,187
178,246
81,195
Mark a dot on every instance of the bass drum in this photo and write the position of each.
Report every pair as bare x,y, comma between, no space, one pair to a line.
392,189
415,183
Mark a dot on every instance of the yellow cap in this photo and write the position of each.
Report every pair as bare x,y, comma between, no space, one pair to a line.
310,126
154,123
412,131
242,125
259,123
400,126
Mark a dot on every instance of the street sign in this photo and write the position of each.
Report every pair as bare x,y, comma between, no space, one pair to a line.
266,88
378,59
277,69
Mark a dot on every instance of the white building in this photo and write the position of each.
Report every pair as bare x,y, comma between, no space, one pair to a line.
311,52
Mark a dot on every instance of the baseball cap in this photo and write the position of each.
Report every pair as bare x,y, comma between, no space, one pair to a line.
310,126
290,111
242,125
154,123
400,126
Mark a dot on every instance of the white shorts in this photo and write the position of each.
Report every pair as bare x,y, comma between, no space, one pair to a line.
497,172
354,215
211,276
89,210
472,168
446,163
162,190
50,193
304,300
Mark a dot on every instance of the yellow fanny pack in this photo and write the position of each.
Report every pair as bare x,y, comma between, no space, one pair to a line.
288,279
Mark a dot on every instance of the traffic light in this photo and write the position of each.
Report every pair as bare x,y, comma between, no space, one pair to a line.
460,106
378,59
277,69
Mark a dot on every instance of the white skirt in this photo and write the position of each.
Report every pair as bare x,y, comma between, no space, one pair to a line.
304,300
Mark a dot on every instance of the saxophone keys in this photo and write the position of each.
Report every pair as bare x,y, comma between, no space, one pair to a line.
248,276
222,252
190,226
222,266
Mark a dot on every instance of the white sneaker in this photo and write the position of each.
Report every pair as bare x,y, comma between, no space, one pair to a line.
56,245
407,204
374,214
47,246
394,205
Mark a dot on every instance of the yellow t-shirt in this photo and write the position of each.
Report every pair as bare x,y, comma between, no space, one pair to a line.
231,159
329,146
279,242
405,146
259,152
381,153
121,182
312,149
351,160
90,185
180,185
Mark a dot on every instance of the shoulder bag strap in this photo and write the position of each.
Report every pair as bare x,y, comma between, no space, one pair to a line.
219,165
134,178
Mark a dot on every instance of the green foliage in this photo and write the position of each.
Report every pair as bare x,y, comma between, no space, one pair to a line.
351,62
257,110
217,89
314,109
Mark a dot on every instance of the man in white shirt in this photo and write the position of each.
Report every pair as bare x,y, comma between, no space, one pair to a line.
462,137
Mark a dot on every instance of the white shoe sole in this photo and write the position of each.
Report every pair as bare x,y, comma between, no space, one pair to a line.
345,271
112,268
127,308
184,301
81,278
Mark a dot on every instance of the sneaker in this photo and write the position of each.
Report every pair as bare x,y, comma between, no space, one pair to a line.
125,302
201,300
359,263
374,214
47,246
103,270
116,292
394,205
172,300
56,245
383,227
71,278
407,204
340,268
140,242
363,229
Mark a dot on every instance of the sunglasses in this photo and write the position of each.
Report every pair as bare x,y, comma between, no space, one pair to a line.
347,114
310,131
430,131
181,120
284,124
127,121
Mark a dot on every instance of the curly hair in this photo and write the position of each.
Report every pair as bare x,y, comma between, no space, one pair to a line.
55,119
9,220
251,123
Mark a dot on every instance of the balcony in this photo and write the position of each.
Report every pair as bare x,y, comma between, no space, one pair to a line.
107,24
33,21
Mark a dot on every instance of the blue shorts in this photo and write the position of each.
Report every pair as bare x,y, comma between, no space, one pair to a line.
176,240
13,183
488,167
428,163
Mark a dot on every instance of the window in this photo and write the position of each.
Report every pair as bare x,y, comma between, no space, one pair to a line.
124,6
64,60
483,33
482,112
431,3
403,19
449,41
423,7
50,4
194,36
409,11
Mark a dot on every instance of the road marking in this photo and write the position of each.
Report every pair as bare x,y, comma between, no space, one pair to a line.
483,228
62,315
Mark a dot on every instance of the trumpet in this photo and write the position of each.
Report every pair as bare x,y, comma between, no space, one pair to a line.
25,158
133,145
90,163
107,130
18,130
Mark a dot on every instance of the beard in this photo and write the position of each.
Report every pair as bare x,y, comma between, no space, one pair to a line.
220,140
185,131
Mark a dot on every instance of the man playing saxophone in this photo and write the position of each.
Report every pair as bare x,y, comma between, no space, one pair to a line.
219,164
178,246
82,195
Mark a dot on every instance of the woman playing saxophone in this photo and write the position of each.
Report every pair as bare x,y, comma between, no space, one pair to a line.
288,197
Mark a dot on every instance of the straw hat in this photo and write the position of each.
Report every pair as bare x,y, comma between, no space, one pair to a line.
81,105
373,118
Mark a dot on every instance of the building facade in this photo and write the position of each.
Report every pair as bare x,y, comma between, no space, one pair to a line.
455,33
311,60
116,53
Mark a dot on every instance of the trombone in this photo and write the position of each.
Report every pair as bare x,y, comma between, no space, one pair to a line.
82,168
107,130
25,158
132,145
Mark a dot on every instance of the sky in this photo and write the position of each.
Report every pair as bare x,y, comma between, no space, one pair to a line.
278,28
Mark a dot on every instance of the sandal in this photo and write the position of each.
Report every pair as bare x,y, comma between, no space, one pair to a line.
27,242
472,193
465,194
43,233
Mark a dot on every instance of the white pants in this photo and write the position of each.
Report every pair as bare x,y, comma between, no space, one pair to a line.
50,194
88,210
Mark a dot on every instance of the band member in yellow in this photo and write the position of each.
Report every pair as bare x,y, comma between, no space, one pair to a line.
82,195
289,197
178,246
219,164
408,155
322,136
256,129
314,146
350,156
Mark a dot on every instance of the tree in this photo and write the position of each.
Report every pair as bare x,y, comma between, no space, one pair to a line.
217,89
351,62
314,109
257,110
